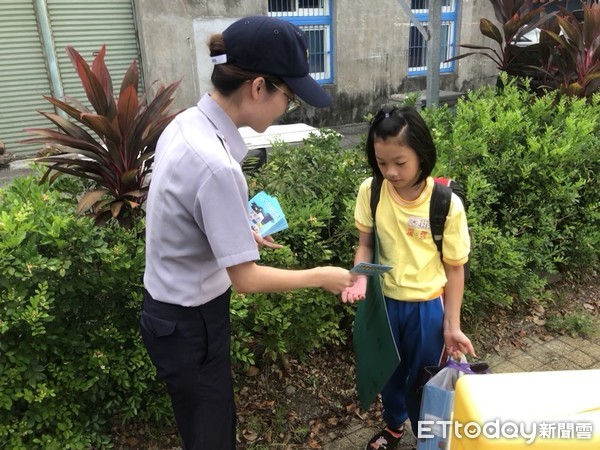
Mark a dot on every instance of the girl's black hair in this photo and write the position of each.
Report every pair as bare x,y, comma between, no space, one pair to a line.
406,125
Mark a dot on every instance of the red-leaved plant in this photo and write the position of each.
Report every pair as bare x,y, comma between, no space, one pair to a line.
516,17
574,63
120,157
567,56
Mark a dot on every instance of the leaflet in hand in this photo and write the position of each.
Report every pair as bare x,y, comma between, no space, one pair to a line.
266,216
364,268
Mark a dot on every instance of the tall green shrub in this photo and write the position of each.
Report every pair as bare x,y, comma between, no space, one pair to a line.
316,184
71,361
529,165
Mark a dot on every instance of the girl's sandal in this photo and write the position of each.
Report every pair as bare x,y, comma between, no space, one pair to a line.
386,439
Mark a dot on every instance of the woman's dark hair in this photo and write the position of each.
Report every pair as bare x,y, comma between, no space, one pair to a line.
227,78
408,127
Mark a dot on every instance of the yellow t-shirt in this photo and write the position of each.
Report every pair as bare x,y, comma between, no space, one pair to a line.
405,241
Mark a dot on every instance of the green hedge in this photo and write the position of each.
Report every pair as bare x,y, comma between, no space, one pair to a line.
530,168
316,185
71,360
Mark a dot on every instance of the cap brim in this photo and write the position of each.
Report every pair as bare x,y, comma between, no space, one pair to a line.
309,91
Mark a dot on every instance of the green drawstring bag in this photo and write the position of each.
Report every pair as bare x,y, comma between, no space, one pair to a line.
376,353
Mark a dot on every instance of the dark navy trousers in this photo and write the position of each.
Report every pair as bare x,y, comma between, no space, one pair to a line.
190,348
417,328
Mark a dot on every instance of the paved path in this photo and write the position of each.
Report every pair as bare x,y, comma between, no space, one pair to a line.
555,353
18,168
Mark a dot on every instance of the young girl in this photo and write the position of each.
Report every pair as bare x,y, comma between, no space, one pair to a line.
198,237
402,155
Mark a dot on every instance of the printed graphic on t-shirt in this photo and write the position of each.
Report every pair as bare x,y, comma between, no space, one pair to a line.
418,227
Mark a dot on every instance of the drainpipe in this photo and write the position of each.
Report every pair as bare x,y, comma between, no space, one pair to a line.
43,20
432,94
432,36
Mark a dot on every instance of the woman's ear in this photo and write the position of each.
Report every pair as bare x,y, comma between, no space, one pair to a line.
257,85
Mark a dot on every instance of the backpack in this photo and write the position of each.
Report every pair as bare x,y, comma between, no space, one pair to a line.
439,207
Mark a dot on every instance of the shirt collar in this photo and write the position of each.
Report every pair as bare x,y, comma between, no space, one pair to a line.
422,198
225,127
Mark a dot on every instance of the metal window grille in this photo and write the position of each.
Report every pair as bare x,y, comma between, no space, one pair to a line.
417,48
314,17
422,6
417,45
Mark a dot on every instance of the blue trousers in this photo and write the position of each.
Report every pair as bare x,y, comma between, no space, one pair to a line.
190,349
417,328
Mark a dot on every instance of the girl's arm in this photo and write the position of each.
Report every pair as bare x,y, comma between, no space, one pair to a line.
364,253
456,341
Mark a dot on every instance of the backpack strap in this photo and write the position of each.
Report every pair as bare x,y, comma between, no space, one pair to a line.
375,194
439,206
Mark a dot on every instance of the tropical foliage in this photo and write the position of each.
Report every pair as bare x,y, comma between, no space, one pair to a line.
567,56
113,145
574,62
516,19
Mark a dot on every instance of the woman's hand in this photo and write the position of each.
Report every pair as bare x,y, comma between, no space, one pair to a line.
334,279
356,292
266,241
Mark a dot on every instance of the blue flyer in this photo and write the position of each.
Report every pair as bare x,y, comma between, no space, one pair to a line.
266,215
364,268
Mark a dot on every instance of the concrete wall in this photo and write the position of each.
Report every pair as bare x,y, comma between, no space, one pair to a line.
370,48
372,55
475,71
169,39
371,44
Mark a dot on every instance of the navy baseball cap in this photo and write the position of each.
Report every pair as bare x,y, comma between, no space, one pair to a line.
277,47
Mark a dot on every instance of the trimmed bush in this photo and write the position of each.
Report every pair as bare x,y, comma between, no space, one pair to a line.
316,185
71,359
72,364
529,165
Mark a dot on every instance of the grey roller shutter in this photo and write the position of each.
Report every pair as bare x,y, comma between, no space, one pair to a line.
23,76
87,26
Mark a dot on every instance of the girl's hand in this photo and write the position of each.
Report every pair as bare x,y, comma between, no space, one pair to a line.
457,344
356,292
266,241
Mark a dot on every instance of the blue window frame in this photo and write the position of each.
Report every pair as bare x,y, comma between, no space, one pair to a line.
417,45
314,17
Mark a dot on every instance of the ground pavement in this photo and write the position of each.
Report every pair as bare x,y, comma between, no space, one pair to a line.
537,354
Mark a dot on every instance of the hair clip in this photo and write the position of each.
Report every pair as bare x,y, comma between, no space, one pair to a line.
388,110
385,112
219,59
